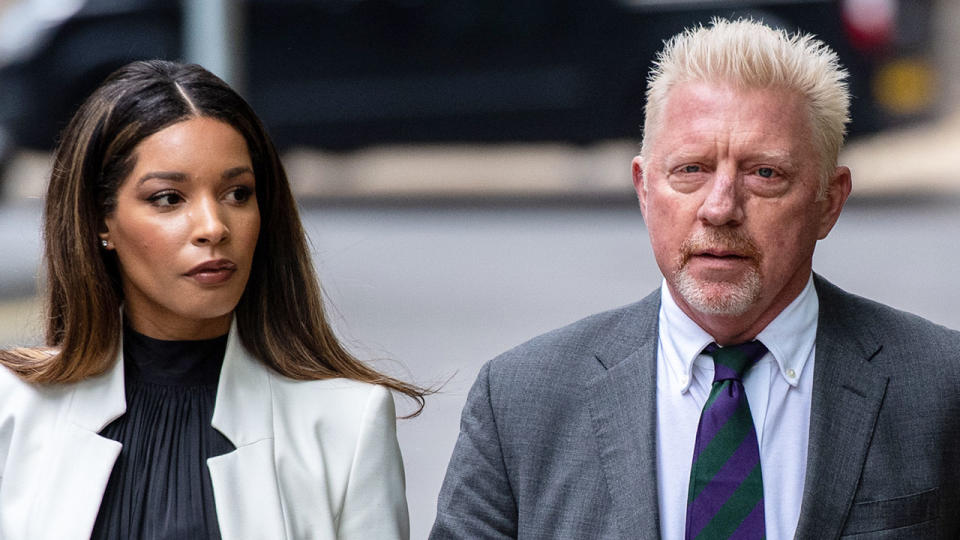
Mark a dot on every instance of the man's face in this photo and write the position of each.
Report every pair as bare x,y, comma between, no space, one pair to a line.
728,191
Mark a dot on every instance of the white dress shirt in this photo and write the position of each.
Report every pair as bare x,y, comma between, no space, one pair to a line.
778,389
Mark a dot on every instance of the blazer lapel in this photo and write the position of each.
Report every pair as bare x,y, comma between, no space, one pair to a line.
244,481
78,462
847,394
623,408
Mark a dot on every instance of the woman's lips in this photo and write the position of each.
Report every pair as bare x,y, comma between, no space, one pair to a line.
212,272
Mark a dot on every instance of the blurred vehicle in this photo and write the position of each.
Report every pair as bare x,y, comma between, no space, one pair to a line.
343,74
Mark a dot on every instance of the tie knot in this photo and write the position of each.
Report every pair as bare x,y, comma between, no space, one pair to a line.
733,361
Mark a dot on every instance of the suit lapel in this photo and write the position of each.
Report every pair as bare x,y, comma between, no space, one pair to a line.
78,463
244,481
623,408
847,393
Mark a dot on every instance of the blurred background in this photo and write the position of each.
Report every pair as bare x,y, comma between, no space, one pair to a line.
463,165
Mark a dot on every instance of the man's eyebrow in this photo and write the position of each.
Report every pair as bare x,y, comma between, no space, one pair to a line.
684,155
772,155
163,175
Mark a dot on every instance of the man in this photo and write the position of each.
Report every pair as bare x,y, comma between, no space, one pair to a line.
747,397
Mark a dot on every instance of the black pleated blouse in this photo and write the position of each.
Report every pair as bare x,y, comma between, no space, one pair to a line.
160,485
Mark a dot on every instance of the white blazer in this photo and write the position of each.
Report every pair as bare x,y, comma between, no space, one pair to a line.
313,459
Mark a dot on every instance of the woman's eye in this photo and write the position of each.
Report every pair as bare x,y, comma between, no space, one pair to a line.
240,194
165,199
765,172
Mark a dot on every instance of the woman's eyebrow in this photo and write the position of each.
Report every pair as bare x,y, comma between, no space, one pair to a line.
181,177
236,171
163,175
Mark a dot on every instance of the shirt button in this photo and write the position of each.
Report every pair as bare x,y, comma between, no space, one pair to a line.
791,374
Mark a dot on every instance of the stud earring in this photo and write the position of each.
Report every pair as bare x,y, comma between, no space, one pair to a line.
104,243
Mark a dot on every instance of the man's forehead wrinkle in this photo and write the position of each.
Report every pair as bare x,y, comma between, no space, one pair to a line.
717,136
744,147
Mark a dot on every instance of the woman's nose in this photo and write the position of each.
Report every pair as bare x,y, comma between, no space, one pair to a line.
209,227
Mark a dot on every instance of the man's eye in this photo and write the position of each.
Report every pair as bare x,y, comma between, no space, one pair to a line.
691,168
765,172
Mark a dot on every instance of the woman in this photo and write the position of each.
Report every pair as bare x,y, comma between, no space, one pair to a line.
191,386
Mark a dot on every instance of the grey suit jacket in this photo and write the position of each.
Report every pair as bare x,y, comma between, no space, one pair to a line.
557,438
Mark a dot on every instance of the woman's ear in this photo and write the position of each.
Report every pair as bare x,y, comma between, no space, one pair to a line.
105,242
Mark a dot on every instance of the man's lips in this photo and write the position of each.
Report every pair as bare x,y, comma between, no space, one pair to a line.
719,259
722,255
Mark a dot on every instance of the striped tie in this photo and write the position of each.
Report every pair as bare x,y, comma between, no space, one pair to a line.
726,488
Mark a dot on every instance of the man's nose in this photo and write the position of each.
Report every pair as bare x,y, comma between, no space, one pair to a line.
723,204
209,226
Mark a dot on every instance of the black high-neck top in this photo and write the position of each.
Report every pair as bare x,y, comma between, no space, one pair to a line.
160,486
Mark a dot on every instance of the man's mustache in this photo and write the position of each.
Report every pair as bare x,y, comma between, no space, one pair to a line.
726,239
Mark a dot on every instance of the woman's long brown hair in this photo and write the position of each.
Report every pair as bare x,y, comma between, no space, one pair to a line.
280,317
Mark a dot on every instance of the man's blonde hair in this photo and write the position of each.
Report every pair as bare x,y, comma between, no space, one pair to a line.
749,54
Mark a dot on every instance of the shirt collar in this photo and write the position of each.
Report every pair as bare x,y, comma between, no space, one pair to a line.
789,337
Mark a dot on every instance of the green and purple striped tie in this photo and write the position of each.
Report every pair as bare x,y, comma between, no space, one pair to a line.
726,488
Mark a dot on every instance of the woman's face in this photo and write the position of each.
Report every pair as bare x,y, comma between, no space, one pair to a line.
184,229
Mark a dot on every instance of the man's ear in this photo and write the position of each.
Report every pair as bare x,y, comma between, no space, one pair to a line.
639,183
838,189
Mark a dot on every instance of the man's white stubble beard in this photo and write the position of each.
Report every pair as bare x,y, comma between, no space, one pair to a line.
718,298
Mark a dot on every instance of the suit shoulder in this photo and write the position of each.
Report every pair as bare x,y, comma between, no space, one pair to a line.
348,399
326,391
340,386
567,351
16,393
13,390
881,319
906,346
9,381
29,409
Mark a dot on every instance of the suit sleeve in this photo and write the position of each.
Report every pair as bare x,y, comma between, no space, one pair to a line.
375,505
476,500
